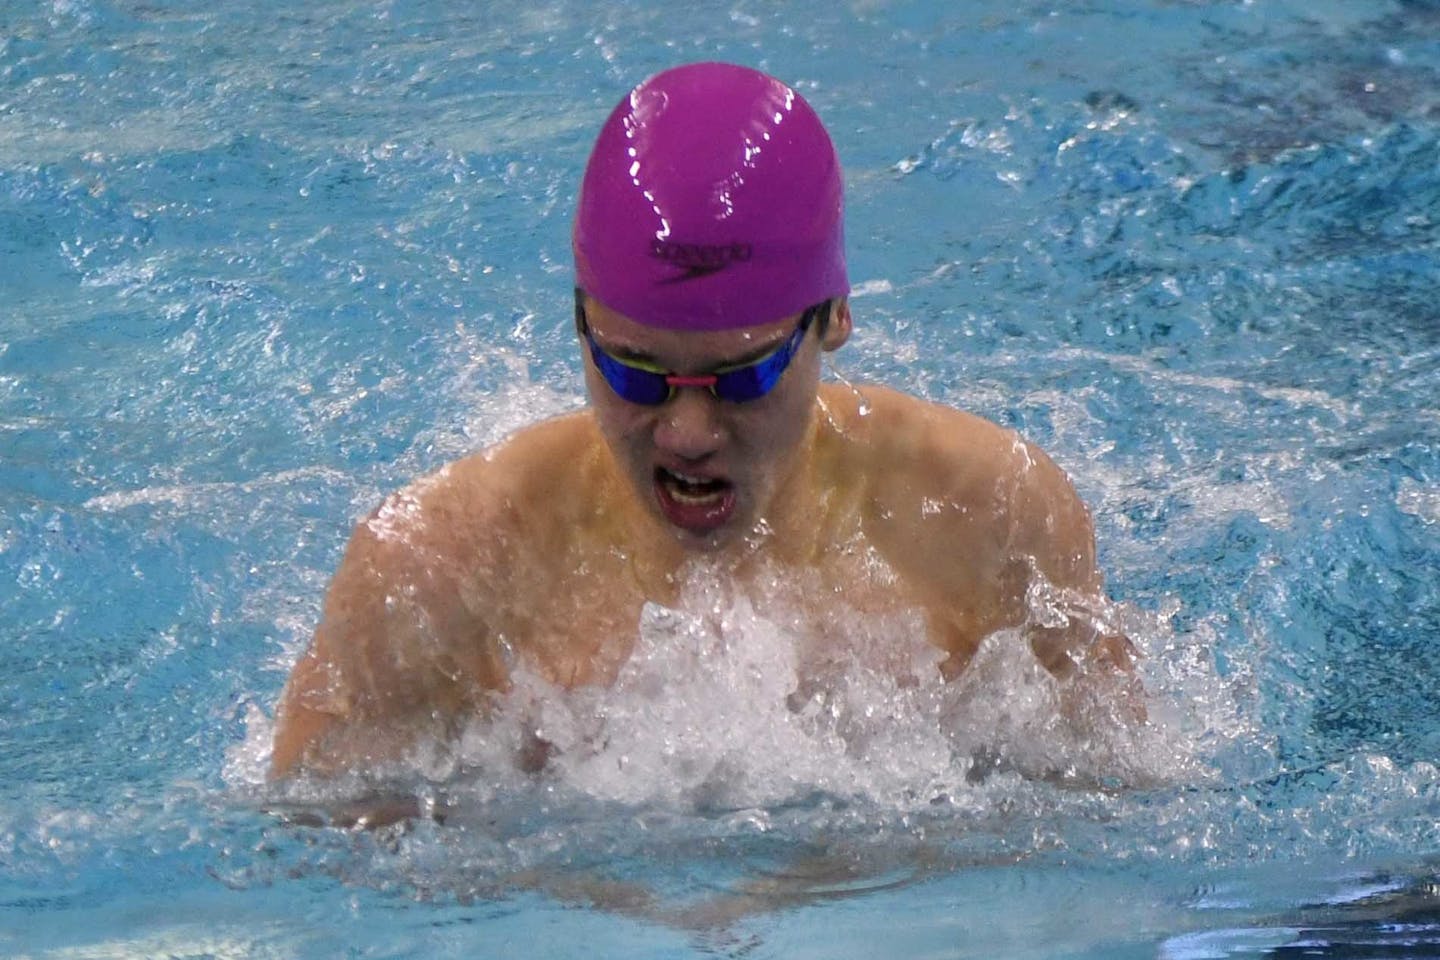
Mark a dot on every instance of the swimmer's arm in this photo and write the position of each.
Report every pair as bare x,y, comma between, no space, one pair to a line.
1063,601
344,707
973,516
1060,601
386,667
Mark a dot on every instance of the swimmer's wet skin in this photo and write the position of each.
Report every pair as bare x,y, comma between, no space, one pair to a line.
710,278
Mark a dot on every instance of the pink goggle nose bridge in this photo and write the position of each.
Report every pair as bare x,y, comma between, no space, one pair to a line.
675,380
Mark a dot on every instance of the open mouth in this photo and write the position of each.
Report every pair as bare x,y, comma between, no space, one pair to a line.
694,503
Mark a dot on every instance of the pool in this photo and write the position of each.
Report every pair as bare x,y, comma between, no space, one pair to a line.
262,263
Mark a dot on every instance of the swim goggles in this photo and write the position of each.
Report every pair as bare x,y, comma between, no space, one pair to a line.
645,383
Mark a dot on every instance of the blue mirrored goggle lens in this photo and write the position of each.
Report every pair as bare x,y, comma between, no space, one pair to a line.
631,384
752,381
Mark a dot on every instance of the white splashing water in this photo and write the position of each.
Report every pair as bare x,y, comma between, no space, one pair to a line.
727,703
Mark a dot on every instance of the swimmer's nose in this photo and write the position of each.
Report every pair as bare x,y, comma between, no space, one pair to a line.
690,425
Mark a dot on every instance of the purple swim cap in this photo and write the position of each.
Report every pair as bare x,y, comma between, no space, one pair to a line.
712,200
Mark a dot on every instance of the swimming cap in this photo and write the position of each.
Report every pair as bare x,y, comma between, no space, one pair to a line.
712,200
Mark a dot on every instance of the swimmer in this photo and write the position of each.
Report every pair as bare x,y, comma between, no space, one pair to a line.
710,278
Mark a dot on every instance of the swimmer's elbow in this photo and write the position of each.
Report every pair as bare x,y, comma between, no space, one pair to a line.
314,709
292,751
312,744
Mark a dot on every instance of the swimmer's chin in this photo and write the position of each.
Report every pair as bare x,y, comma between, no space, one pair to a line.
707,542
738,538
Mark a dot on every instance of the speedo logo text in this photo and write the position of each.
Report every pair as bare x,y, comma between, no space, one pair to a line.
693,260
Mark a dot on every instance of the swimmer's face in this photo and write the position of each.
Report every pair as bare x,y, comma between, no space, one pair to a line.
710,469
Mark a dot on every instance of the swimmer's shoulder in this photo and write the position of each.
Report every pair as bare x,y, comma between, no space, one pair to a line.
476,517
905,450
898,435
935,476
540,466
530,475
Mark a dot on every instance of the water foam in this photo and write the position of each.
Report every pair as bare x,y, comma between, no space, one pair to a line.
737,701
749,755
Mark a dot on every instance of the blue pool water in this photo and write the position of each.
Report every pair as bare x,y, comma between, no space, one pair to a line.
261,263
